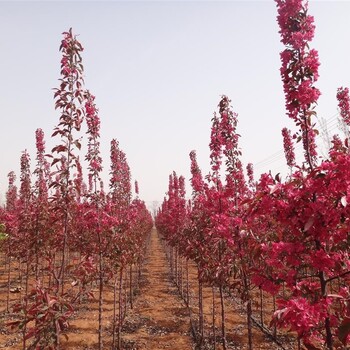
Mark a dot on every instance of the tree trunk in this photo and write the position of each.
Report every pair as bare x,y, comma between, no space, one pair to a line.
8,285
223,328
187,285
181,284
261,307
200,312
130,288
114,310
120,315
329,336
24,331
214,318
323,283
249,323
172,261
100,302
176,268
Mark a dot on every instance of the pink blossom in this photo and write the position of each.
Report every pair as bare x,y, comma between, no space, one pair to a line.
250,173
337,143
11,194
309,143
300,314
311,64
120,180
299,69
196,179
296,26
93,124
288,147
25,189
344,104
307,94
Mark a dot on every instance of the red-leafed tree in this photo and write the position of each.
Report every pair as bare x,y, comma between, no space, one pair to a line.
119,198
69,98
301,224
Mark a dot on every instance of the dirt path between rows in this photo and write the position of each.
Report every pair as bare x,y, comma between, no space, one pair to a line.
159,319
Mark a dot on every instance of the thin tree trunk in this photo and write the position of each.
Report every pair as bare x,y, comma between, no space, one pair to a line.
100,302
176,271
120,316
20,278
187,285
214,318
114,310
329,336
171,261
125,296
249,323
200,312
61,273
223,328
24,331
181,286
130,289
249,312
8,285
261,307
36,260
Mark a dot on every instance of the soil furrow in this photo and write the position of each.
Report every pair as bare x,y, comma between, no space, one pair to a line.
159,320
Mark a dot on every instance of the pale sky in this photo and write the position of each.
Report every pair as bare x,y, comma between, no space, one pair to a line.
158,70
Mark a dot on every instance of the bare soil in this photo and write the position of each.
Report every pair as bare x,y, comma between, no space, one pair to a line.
159,318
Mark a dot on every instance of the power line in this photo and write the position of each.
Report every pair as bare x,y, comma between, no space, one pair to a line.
278,158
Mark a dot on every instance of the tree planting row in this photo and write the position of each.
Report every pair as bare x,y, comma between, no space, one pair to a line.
285,237
64,236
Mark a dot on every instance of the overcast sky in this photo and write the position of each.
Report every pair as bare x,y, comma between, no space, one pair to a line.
158,70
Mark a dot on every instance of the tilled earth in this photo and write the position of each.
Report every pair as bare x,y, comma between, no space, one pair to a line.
159,318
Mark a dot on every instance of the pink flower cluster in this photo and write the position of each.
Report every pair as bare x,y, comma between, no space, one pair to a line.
344,104
11,194
93,124
296,26
196,179
299,69
250,174
288,147
120,185
136,187
25,189
300,315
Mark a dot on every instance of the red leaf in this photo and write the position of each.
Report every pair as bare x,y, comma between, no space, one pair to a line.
77,144
59,148
56,160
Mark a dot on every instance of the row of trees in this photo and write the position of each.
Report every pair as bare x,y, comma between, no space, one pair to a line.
288,237
68,236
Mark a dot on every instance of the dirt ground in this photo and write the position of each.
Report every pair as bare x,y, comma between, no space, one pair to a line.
159,318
